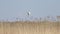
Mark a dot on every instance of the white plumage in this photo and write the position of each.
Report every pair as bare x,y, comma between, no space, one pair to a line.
28,13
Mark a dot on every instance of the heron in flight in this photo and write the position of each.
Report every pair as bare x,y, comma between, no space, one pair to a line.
28,12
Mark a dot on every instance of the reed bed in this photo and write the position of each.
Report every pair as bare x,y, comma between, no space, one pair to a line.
30,27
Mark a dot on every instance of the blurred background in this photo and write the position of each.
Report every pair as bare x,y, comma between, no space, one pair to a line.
16,9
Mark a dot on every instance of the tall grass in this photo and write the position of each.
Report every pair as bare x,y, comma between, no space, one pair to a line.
30,27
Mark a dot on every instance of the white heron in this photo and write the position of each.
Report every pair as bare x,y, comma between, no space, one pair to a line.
28,12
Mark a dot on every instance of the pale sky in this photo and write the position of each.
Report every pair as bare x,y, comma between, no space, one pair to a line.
10,9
